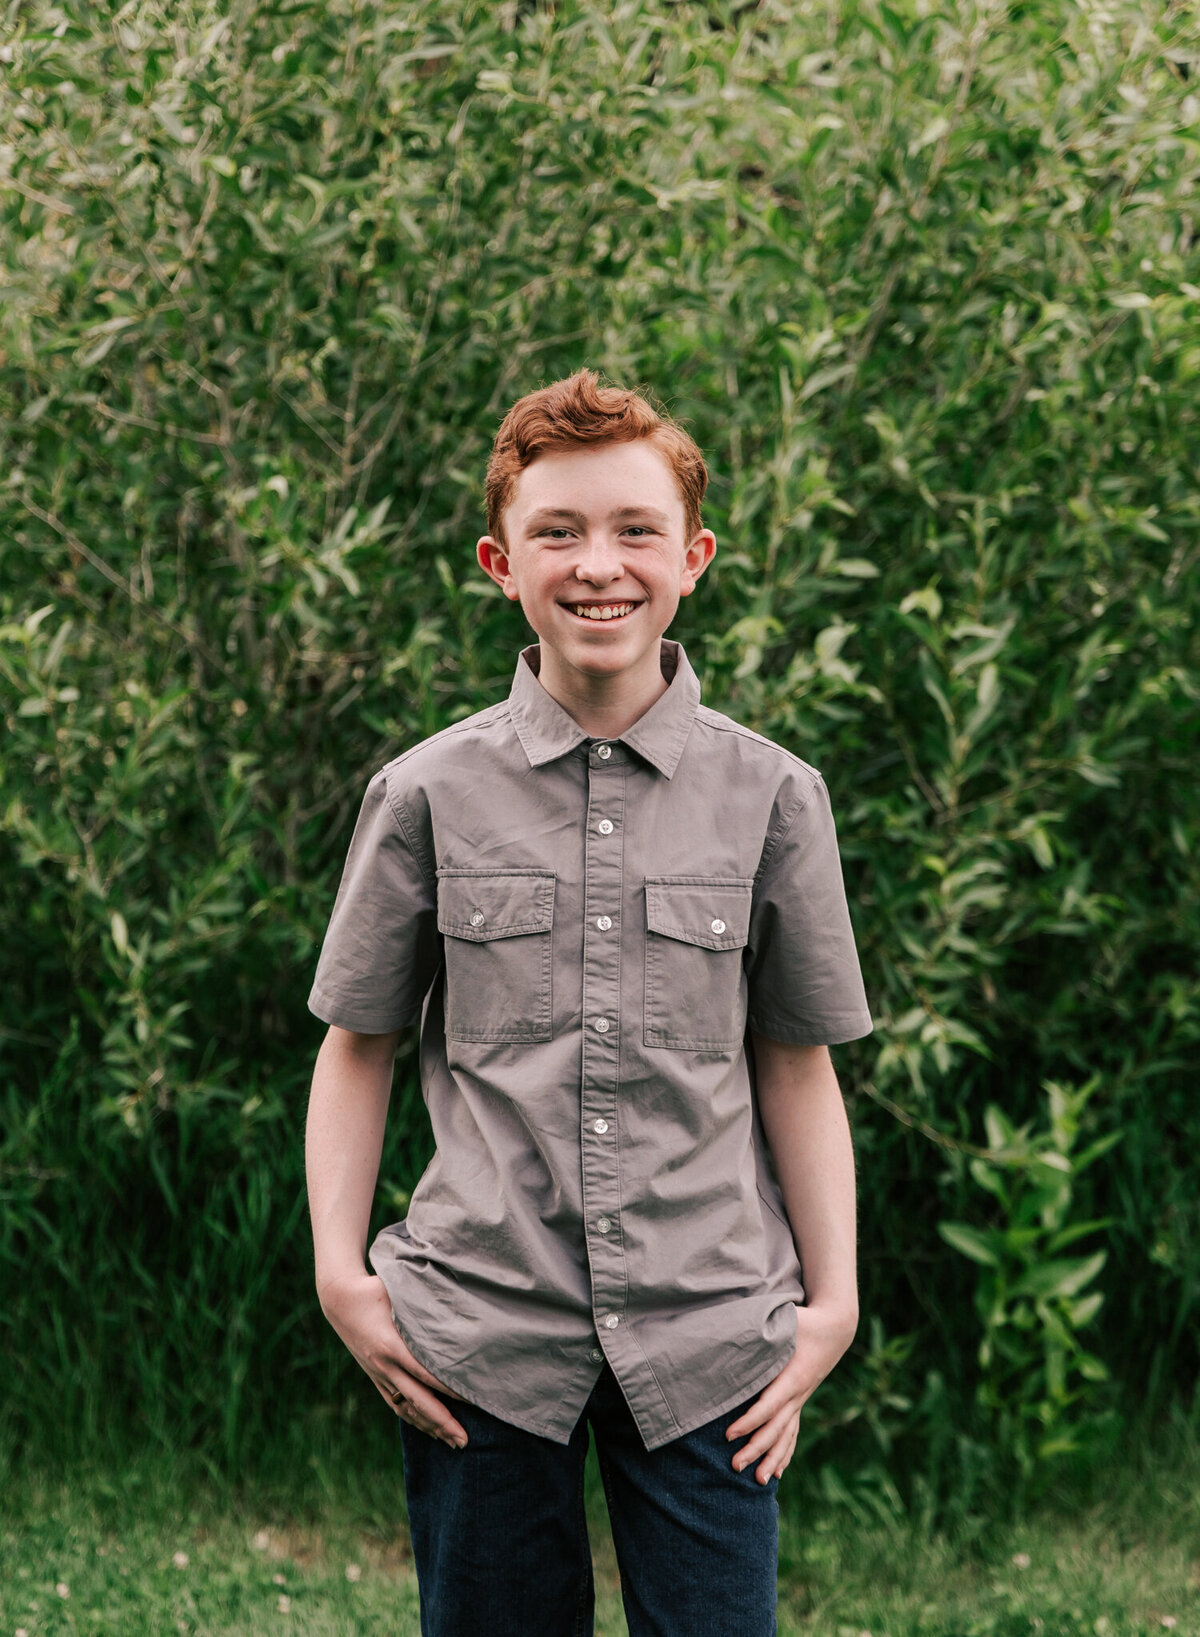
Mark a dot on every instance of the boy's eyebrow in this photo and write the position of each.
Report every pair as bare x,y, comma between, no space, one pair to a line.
549,514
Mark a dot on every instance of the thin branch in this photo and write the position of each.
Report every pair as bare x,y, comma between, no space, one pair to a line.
38,197
931,1131
166,427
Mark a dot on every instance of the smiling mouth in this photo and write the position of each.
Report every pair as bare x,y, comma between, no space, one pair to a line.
601,613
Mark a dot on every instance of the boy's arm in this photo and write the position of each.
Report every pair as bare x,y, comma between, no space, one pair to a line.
347,1112
804,1120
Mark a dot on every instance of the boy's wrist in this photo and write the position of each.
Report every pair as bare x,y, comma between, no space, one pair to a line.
333,1282
840,1313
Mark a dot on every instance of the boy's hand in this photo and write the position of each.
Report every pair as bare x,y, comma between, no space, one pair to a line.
359,1310
823,1335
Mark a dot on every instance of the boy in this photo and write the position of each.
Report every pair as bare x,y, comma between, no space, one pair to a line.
619,918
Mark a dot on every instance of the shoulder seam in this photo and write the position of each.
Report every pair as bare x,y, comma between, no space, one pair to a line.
400,813
396,803
720,723
794,813
474,720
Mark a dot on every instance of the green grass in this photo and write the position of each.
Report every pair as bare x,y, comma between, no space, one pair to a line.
157,1548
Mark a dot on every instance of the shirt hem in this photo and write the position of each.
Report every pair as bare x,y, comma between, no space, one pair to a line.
762,1379
541,1429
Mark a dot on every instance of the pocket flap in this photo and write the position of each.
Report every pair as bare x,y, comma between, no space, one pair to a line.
484,904
713,914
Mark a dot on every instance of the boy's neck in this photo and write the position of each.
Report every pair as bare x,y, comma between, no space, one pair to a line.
603,706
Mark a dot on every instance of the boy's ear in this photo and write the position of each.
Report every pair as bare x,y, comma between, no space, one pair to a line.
697,556
493,560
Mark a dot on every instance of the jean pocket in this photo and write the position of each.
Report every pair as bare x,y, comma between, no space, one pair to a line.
696,930
497,928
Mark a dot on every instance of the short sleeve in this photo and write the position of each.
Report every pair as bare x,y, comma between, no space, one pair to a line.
382,949
805,986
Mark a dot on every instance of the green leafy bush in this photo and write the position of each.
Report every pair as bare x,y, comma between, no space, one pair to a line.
1030,1299
925,286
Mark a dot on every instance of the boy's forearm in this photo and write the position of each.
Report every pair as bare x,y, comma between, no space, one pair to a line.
347,1112
804,1120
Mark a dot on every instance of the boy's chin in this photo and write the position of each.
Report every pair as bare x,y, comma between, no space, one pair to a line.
605,658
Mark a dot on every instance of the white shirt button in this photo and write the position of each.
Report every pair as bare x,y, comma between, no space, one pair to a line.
603,1224
604,752
604,922
597,1355
718,926
477,918
602,1025
605,827
601,1126
612,1321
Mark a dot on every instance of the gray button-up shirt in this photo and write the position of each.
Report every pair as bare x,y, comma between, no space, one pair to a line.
584,928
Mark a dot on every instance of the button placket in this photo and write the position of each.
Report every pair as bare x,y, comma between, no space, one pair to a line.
600,1125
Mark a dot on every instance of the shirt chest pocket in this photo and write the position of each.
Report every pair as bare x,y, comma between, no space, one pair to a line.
696,930
497,928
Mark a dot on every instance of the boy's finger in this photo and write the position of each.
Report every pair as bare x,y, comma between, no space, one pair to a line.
763,1408
764,1441
790,1448
418,1406
778,1458
432,1416
432,1429
774,1457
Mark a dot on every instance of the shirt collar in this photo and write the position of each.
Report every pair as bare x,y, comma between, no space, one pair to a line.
547,731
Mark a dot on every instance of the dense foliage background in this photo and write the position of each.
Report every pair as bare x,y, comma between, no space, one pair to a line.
924,283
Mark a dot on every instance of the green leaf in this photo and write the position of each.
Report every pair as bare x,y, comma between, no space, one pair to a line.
1039,845
1063,1276
830,641
1084,1310
972,1242
926,599
999,1128
936,128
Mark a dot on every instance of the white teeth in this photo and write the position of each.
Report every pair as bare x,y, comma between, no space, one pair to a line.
608,612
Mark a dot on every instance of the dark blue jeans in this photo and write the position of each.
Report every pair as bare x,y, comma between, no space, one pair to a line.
500,1539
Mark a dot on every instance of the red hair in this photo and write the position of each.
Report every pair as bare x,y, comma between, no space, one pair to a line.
580,410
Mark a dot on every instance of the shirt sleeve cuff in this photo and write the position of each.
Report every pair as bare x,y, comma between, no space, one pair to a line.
830,1031
356,1019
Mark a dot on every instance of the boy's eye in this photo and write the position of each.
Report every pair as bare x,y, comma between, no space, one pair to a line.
557,531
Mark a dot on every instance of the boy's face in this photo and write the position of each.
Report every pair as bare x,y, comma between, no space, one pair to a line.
598,525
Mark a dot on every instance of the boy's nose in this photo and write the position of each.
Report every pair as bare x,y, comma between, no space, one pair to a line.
599,564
